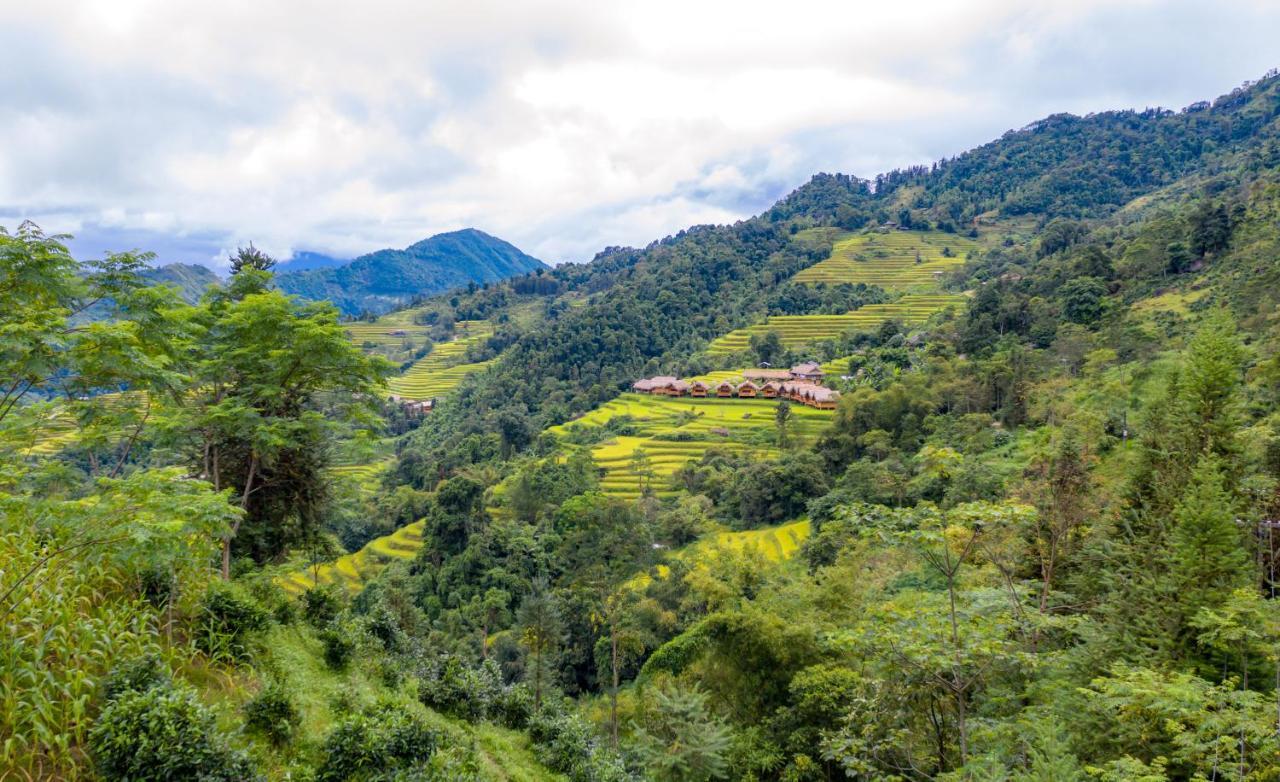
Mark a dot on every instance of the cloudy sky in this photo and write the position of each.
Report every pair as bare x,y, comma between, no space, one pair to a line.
340,127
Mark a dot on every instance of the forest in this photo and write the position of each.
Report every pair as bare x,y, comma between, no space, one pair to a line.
1037,539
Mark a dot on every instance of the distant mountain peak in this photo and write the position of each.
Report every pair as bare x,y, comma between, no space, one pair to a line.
385,279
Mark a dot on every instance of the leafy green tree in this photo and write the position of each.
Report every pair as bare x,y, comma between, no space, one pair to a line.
767,347
781,419
1083,300
253,421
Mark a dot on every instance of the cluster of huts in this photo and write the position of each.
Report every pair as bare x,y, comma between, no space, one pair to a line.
802,383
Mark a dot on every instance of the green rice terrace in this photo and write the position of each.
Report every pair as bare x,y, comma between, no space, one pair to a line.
894,260
395,335
670,431
441,370
797,330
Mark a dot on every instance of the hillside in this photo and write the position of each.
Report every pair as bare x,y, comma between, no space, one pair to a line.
1021,529
191,279
383,280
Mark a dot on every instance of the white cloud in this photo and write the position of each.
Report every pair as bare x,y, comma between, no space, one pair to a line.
564,126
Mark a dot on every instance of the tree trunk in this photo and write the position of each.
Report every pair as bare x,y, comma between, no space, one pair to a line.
613,693
244,506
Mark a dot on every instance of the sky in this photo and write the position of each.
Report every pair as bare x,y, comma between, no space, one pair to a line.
566,126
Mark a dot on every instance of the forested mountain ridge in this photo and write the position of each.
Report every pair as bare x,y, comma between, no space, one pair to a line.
383,280
1033,541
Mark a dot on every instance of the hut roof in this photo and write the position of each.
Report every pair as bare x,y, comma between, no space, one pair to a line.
807,368
766,374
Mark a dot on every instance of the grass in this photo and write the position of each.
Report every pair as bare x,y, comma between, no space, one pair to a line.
891,259
798,330
395,335
745,425
441,370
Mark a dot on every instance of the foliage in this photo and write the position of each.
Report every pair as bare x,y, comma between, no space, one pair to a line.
163,733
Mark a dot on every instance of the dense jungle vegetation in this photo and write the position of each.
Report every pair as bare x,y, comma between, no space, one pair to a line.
1037,540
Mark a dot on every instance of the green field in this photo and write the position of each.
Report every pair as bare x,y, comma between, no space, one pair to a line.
797,330
441,370
894,260
737,424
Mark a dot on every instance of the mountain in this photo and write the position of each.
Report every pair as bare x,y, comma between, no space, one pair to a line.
386,279
306,261
190,278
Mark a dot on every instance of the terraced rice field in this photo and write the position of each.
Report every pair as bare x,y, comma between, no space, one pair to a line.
353,570
60,430
797,330
776,544
737,424
441,370
394,335
894,260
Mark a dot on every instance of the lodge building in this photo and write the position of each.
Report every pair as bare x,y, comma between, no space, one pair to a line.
802,384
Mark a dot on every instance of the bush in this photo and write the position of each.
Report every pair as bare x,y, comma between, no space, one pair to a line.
228,615
321,604
340,641
273,715
387,738
136,675
450,685
565,742
163,733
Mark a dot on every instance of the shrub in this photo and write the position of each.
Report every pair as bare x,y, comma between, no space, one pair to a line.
450,685
136,675
273,715
340,641
163,733
228,615
387,738
566,743
321,604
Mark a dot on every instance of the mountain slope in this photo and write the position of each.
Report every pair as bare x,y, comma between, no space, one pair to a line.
385,279
191,279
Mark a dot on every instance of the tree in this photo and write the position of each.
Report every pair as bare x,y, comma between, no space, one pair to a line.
683,741
253,419
541,634
781,418
1083,300
1210,229
767,347
1207,547
251,258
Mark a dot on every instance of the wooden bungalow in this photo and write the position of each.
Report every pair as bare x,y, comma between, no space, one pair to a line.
748,390
824,398
676,388
769,390
698,389
724,389
809,370
661,384
763,375
644,386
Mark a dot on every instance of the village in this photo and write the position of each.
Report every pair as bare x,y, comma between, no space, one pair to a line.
802,384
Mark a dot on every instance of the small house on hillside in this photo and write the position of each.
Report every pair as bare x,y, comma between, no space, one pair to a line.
809,370
769,390
761,375
724,389
747,389
643,386
698,389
